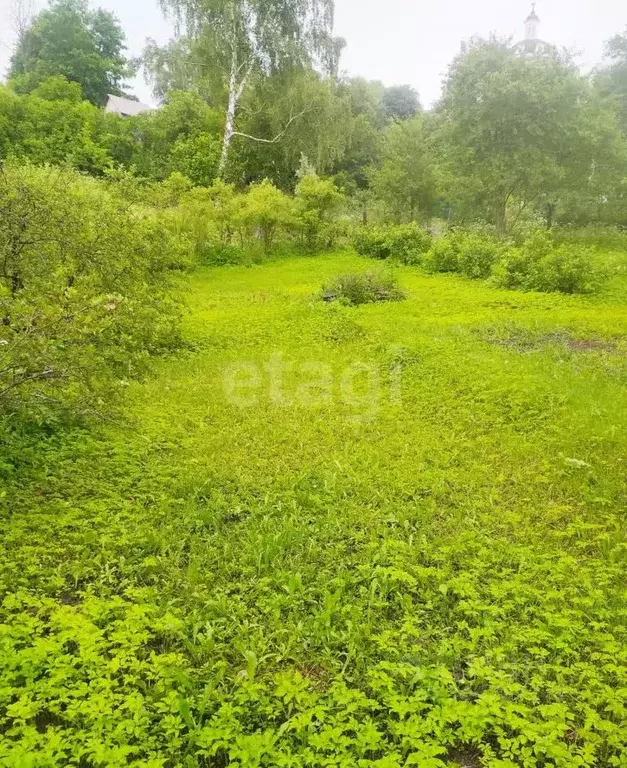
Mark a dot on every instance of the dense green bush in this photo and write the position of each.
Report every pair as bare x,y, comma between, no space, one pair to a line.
476,254
264,214
443,256
366,288
471,252
317,200
52,125
226,227
220,255
405,242
84,291
539,265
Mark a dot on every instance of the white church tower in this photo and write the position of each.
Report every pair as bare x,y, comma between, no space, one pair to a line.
532,46
532,24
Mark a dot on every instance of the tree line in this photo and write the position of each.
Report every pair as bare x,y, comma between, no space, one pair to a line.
252,90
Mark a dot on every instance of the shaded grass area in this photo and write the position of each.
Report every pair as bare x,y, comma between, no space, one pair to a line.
418,562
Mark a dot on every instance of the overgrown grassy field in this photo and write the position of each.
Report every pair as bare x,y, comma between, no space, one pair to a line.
330,536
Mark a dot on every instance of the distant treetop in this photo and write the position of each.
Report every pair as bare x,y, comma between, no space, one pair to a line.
69,40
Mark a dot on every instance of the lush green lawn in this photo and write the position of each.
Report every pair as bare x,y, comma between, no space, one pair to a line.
329,536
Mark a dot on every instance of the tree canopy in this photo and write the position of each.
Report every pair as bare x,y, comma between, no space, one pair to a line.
69,40
516,131
401,102
238,39
612,78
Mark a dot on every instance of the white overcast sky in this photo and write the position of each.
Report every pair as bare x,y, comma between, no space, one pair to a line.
400,41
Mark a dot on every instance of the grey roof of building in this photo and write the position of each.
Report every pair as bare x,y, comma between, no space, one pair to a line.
127,107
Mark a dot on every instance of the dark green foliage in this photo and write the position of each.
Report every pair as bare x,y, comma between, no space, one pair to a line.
84,292
367,120
521,131
405,179
69,40
364,288
405,242
220,255
319,132
400,102
612,78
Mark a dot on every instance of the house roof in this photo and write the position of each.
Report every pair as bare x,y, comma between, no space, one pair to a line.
125,107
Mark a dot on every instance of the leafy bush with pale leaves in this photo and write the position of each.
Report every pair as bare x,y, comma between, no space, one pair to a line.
264,213
539,265
471,252
85,292
405,242
366,288
317,200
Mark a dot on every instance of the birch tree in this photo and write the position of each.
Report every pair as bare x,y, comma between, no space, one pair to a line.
241,38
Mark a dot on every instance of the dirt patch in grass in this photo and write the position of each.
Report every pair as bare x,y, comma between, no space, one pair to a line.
465,757
523,340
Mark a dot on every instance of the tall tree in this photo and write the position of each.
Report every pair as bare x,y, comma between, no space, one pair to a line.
401,102
520,131
321,138
406,179
183,136
241,38
612,79
364,134
67,39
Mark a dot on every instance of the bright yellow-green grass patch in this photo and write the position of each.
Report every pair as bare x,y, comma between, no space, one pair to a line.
329,536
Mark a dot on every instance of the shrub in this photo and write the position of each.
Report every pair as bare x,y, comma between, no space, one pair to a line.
477,254
471,252
372,242
571,269
367,288
317,200
210,219
221,255
443,256
405,242
541,266
264,212
84,292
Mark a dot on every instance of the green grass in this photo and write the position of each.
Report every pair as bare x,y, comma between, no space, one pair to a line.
339,576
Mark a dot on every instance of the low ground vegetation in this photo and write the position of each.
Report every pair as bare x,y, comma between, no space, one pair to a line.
329,530
332,571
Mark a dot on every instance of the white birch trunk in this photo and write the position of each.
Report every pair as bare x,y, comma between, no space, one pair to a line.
229,126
